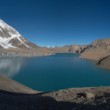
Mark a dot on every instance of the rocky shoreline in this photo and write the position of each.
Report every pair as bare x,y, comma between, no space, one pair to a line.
15,96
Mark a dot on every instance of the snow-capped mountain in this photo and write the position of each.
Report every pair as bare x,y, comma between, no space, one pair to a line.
10,38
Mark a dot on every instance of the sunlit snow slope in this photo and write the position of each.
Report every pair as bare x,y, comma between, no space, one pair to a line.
10,38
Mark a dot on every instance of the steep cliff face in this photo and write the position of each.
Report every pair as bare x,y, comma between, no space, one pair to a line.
97,49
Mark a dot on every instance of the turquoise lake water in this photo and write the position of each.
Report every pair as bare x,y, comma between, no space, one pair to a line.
55,72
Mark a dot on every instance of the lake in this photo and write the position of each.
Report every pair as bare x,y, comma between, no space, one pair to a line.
54,72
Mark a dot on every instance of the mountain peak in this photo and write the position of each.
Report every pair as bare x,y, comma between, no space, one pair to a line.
1,21
7,27
10,38
3,24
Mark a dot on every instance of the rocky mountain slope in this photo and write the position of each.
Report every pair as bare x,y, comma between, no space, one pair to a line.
68,49
104,62
10,38
12,43
97,49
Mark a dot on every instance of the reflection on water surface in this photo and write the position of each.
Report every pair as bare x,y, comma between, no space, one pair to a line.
10,66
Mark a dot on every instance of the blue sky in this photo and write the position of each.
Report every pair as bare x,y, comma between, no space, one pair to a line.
58,22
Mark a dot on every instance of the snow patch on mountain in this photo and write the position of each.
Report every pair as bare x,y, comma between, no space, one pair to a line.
12,34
